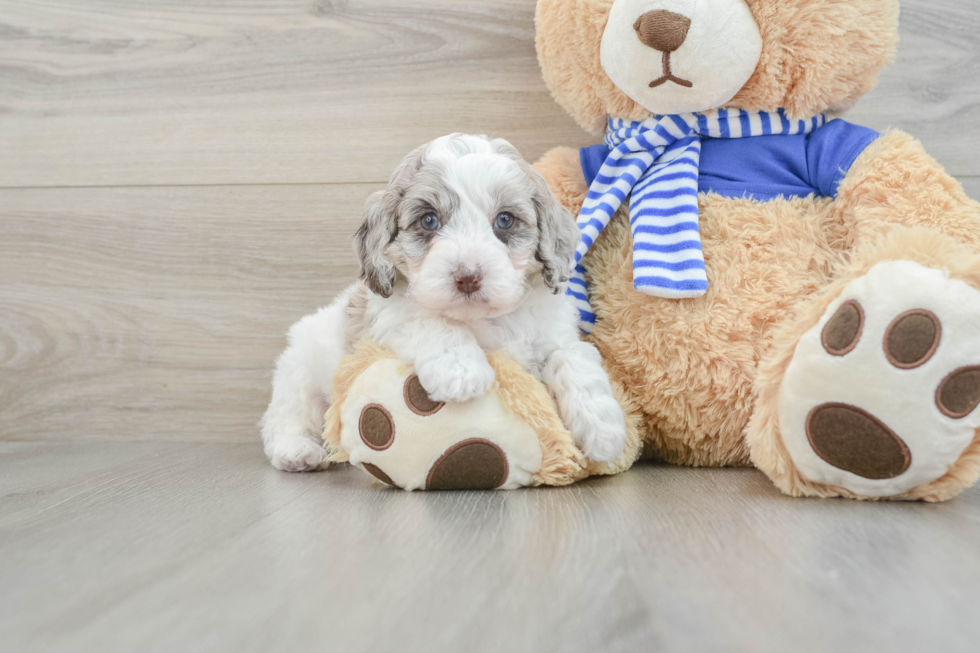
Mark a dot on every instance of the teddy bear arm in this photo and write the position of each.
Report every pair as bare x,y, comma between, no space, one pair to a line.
562,169
894,182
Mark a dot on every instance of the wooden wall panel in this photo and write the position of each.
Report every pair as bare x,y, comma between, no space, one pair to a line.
110,92
158,312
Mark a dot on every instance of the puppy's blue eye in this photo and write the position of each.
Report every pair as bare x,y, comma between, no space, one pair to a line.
504,221
430,222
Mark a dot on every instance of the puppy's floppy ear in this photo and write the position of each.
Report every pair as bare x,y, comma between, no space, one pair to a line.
558,234
376,232
380,226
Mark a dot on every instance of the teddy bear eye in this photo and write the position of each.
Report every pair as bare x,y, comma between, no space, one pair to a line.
430,222
504,221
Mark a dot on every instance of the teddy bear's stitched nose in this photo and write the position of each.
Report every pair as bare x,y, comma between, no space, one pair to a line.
662,30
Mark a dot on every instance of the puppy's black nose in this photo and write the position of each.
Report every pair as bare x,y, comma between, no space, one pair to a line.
662,30
468,282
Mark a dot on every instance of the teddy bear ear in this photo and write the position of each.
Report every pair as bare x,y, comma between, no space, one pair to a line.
819,56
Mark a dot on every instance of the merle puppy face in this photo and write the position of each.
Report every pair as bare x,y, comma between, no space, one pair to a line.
469,224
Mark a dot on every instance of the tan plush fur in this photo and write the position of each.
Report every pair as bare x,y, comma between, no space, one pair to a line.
703,374
818,56
895,182
691,363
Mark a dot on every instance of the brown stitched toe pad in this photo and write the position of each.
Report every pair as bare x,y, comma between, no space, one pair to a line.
843,331
418,399
959,393
376,472
912,339
474,464
854,440
377,428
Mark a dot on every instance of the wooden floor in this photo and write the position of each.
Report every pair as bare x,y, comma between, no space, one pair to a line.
178,183
203,547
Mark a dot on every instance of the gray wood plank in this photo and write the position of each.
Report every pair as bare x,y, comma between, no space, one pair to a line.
932,90
158,312
972,186
108,92
166,547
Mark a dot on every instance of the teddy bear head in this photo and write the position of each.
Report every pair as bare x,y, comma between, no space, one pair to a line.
632,58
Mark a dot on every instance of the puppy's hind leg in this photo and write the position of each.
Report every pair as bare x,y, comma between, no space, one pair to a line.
301,390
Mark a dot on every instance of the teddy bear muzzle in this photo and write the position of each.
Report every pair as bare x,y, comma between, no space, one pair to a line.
665,32
697,54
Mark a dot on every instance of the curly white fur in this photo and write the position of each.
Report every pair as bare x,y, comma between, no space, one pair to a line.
410,300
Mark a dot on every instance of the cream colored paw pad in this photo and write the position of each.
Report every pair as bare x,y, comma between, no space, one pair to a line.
399,435
881,395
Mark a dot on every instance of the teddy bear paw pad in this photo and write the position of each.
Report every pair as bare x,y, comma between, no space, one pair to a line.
856,441
881,395
470,465
378,473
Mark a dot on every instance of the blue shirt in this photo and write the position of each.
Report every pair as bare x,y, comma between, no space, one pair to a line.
766,167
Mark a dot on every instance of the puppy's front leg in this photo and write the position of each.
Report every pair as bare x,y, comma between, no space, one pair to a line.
448,360
585,399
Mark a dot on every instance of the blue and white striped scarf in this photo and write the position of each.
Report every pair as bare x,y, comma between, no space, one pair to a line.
656,162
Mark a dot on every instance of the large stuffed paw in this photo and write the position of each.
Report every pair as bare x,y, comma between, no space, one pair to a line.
395,430
880,397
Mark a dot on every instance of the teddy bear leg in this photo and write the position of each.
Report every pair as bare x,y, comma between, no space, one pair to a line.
873,391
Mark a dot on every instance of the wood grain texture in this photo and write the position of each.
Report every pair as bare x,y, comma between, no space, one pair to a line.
158,312
157,547
108,92
972,186
111,92
932,90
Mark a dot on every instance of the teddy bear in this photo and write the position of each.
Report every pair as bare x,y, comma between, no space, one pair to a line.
769,284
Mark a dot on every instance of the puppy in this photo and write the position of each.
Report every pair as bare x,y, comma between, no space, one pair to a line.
466,250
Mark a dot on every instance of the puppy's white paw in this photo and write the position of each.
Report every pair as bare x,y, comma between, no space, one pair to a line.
457,376
292,453
598,427
602,437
